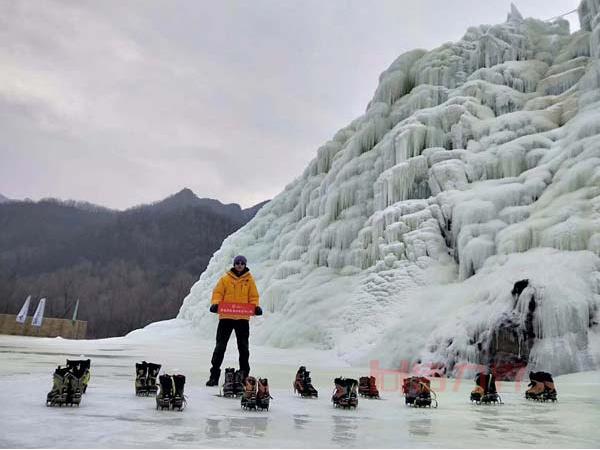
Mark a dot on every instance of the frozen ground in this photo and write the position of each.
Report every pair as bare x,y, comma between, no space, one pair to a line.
112,416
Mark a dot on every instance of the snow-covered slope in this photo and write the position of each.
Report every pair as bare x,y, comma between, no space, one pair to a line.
476,165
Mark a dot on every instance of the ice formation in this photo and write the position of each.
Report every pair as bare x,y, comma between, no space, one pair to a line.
476,165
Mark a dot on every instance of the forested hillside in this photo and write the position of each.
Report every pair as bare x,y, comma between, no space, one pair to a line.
128,268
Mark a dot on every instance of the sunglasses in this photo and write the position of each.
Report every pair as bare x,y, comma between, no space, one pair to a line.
239,264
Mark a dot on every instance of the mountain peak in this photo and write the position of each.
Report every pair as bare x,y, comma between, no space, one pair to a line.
184,197
185,194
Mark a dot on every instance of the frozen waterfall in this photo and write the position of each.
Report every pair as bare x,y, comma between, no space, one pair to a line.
476,165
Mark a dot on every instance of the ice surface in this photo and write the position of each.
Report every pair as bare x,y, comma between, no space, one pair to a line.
111,416
475,165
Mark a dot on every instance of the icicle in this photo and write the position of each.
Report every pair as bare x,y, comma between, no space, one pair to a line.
595,39
557,84
588,10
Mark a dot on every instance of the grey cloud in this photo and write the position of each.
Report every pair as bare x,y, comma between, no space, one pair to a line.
123,102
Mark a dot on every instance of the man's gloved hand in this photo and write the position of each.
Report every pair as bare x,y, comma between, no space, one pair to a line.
214,308
258,311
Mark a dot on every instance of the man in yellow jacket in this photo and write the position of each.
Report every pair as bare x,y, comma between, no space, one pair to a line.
236,286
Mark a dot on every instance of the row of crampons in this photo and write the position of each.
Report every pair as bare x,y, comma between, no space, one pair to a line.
69,383
418,392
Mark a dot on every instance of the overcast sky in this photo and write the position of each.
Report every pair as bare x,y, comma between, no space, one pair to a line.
125,102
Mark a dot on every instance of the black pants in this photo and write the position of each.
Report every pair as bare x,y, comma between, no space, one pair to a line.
242,333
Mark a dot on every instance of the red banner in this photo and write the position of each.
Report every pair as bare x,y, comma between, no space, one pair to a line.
236,309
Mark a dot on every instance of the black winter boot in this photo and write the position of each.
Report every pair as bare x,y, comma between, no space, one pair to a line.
81,367
141,374
178,400
213,380
228,385
163,399
239,382
60,387
151,386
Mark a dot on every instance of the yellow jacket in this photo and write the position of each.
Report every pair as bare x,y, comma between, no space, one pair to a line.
234,289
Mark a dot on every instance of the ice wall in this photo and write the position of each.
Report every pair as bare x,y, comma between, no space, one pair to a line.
475,165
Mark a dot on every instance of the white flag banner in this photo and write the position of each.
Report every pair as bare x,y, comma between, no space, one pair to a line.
39,314
75,312
22,316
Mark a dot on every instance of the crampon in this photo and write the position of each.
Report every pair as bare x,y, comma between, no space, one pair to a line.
345,393
541,387
367,387
418,393
485,391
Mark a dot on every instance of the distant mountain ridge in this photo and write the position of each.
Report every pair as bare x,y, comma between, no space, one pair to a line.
149,254
187,198
66,232
184,198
